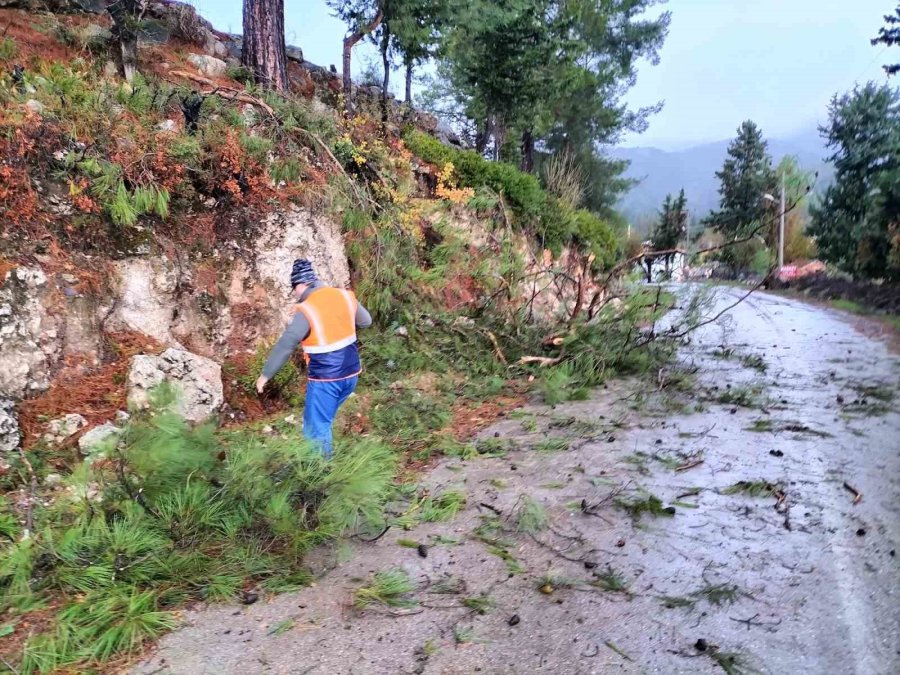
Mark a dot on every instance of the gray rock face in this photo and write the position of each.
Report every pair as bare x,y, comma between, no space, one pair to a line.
208,65
294,53
446,135
145,298
25,329
60,429
9,427
97,437
197,380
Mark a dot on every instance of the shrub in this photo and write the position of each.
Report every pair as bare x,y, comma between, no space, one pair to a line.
522,190
596,236
8,49
564,179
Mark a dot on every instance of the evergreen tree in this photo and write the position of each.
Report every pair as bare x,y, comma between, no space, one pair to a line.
263,51
889,35
857,225
538,78
744,178
671,226
417,27
498,62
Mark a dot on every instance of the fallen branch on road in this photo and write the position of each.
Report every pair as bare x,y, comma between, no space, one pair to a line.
857,495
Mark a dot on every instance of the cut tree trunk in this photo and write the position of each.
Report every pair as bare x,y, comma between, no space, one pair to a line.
349,43
527,151
263,50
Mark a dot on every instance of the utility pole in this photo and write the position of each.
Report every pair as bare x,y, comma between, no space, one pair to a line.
781,229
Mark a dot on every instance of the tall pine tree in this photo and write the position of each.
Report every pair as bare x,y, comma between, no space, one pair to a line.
745,177
263,51
857,224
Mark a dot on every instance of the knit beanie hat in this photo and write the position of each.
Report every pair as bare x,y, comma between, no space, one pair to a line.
303,273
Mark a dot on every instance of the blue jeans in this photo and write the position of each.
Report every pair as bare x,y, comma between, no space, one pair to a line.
322,402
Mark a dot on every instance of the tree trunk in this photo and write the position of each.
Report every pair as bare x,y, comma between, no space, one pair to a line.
527,151
349,42
263,51
409,78
125,16
499,133
386,63
481,137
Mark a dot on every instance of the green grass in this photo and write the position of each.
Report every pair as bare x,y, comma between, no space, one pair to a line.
855,308
391,588
494,447
754,361
677,602
463,634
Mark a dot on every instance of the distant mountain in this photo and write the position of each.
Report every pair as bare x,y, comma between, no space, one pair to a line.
661,172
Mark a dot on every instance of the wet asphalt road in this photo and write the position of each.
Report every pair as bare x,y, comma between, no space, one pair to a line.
789,401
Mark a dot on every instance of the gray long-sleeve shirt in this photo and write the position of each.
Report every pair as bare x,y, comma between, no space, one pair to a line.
296,332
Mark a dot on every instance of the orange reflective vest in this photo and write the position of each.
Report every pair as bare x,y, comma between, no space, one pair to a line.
331,314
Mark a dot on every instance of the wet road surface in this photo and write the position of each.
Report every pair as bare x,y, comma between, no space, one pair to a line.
767,565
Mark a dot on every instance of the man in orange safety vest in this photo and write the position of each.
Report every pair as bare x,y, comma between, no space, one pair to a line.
324,322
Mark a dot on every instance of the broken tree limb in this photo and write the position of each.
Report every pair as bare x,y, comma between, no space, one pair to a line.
542,361
235,95
689,465
497,350
857,495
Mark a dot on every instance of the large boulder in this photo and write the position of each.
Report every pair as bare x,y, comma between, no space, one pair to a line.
197,382
208,65
9,426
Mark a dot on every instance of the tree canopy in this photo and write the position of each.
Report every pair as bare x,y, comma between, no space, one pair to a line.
526,79
672,223
889,35
857,223
746,176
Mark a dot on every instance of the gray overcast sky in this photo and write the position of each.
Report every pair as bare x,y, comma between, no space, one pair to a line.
777,62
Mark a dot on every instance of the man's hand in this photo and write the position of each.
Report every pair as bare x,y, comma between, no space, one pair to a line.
261,383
